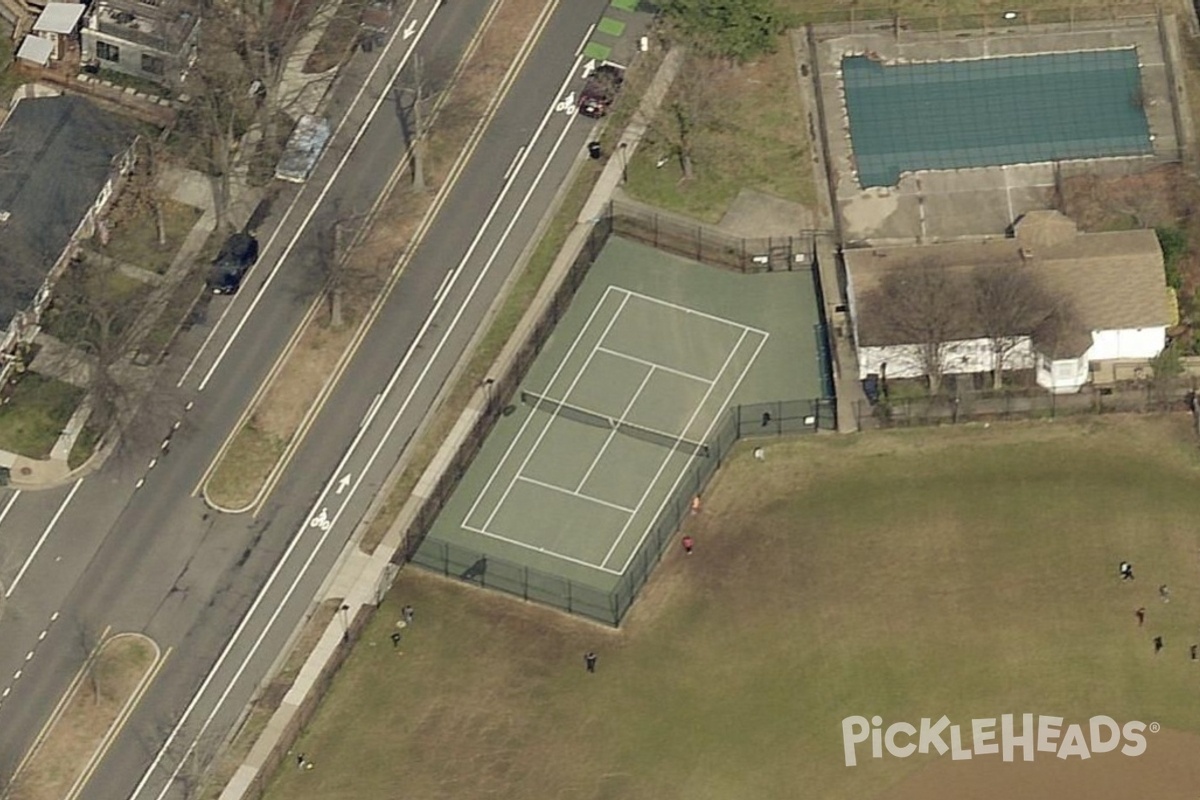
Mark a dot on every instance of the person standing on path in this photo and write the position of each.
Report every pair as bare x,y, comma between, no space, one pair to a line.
1141,615
589,660
688,543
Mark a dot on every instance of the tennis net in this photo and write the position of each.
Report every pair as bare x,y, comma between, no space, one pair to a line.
561,408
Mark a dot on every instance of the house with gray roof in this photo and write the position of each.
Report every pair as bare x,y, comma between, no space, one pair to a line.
150,39
61,160
1113,284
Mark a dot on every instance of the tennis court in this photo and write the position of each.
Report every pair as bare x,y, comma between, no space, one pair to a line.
614,411
611,433
993,111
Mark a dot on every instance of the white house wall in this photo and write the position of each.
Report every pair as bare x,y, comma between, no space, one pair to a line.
1127,343
961,357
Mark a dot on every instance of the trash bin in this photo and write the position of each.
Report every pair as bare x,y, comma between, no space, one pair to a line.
594,150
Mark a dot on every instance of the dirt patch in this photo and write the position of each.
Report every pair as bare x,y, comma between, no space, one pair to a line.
1120,202
754,214
95,705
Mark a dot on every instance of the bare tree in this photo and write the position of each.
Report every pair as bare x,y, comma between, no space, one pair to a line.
923,307
1009,303
91,314
690,109
141,195
234,87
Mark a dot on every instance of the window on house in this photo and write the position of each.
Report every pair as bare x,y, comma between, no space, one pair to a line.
149,2
152,64
108,52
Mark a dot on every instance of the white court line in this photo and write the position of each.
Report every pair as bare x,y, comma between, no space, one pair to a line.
691,311
613,431
543,551
512,445
573,493
675,486
550,421
666,460
42,539
654,365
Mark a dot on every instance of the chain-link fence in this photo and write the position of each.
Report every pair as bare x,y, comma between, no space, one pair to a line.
710,246
985,406
501,389
699,243
854,19
760,419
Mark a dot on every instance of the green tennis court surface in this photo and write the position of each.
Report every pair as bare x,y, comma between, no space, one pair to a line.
993,111
612,430
618,406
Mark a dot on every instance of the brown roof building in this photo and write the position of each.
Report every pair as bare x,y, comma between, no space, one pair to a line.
1113,282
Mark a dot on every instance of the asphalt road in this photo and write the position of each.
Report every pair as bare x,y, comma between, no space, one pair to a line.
224,592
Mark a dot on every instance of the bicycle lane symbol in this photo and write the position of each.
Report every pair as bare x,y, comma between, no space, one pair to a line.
321,521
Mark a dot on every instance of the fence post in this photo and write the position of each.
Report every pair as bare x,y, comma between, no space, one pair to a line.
525,583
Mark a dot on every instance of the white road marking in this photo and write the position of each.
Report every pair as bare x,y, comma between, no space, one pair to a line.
42,540
300,195
8,506
350,452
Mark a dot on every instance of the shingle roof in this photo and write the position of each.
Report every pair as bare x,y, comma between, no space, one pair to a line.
1112,280
55,155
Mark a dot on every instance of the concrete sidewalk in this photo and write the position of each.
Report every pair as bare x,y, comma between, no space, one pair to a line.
361,580
56,359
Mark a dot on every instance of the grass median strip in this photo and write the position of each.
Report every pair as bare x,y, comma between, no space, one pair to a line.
278,416
97,703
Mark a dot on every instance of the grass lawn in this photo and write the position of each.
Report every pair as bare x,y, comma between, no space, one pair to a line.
969,572
756,137
34,413
135,240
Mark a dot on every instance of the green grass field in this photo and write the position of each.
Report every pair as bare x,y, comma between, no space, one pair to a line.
969,572
34,414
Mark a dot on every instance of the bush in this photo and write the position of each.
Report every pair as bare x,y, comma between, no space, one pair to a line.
1174,244
737,31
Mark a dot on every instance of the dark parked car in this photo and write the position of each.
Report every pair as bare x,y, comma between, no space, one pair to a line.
237,256
600,90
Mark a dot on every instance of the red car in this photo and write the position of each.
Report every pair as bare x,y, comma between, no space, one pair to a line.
600,90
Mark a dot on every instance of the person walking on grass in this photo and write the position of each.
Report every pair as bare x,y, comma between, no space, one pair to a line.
1164,593
589,660
1158,644
688,543
1125,570
1141,615
407,612
1194,648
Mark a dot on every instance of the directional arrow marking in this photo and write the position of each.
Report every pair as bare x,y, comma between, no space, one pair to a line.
343,483
411,29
